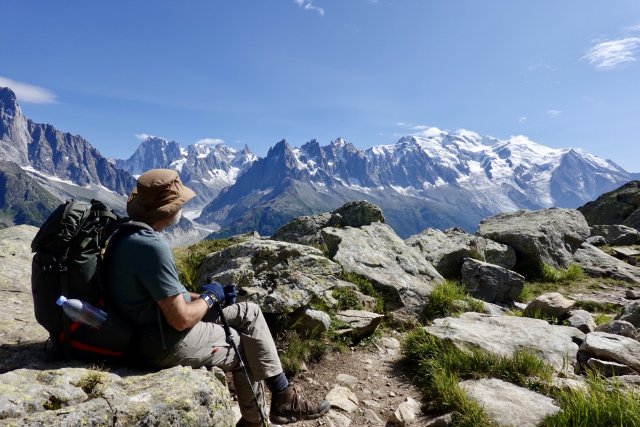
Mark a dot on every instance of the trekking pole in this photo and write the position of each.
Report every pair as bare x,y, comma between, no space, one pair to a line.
230,340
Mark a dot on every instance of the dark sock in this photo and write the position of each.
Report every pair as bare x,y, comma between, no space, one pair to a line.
277,383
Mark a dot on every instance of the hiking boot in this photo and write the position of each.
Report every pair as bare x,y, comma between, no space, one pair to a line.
290,406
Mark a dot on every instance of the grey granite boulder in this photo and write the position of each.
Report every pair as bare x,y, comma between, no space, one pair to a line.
447,250
619,327
507,404
281,277
306,229
582,320
312,321
550,305
504,335
612,347
78,396
18,327
617,234
360,323
630,313
491,282
356,214
548,236
398,271
596,263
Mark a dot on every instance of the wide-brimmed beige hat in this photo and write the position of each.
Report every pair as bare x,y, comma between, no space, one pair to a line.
159,193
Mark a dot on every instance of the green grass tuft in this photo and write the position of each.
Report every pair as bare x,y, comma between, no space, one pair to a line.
347,299
602,405
602,318
365,287
298,350
571,274
445,301
188,260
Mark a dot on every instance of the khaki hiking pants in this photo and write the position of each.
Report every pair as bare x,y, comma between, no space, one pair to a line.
206,345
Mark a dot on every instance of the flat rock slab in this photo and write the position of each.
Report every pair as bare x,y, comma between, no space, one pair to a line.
624,251
509,405
504,335
362,323
21,337
613,347
596,263
78,396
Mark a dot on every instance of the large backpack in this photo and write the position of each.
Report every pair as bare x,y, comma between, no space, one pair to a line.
68,257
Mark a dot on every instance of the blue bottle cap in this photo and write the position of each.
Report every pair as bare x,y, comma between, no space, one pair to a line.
61,300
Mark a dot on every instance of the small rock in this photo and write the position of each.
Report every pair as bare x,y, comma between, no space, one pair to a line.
582,320
441,421
336,419
343,398
618,327
609,369
371,403
632,294
552,304
371,416
348,380
392,394
406,413
390,342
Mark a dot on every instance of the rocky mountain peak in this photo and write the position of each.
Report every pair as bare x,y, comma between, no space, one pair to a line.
8,102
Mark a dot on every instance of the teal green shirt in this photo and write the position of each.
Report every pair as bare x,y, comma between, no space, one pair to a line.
141,270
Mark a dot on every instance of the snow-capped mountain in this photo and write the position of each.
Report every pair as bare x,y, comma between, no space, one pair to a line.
206,168
437,179
65,164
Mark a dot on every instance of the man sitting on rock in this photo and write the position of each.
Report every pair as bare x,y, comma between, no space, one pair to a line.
174,326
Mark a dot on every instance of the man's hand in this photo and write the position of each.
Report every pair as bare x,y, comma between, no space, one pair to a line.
214,291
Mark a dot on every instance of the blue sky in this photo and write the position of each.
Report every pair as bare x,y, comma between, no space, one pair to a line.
563,73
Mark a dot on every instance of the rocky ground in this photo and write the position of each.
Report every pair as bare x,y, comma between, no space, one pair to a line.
365,385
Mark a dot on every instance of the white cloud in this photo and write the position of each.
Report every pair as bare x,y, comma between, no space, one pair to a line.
522,119
308,5
633,28
210,141
402,124
613,54
421,127
26,92
144,136
554,113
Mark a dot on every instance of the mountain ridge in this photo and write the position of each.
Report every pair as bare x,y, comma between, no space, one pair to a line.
434,178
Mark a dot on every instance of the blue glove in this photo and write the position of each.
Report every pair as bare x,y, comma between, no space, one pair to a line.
230,295
212,290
